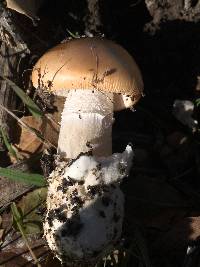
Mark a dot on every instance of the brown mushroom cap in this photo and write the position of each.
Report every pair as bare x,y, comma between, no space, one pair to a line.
90,63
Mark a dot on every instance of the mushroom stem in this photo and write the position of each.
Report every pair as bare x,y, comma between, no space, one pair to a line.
86,123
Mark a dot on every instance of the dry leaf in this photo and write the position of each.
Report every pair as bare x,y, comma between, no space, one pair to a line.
1,230
27,143
27,7
50,129
178,236
10,190
1,235
32,208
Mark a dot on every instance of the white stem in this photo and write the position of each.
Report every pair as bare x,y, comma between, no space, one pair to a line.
86,123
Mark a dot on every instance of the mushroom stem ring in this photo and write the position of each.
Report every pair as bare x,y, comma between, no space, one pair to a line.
86,123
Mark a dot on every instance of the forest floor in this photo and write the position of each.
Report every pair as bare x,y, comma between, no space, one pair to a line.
162,193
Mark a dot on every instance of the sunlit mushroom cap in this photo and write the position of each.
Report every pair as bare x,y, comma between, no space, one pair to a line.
90,63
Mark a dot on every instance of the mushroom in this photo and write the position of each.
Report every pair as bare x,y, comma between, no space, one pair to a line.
84,203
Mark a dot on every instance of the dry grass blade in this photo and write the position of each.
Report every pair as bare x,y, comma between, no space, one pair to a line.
73,35
7,144
45,142
33,108
17,218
